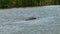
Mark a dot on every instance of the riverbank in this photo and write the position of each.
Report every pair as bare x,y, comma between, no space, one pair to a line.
27,3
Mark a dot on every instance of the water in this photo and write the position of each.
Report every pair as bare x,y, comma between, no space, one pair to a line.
17,20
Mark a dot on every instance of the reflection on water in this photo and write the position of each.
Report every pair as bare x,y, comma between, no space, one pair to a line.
36,20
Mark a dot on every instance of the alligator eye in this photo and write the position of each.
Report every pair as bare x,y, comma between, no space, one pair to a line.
31,18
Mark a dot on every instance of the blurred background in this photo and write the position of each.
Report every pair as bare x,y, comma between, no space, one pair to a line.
27,3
